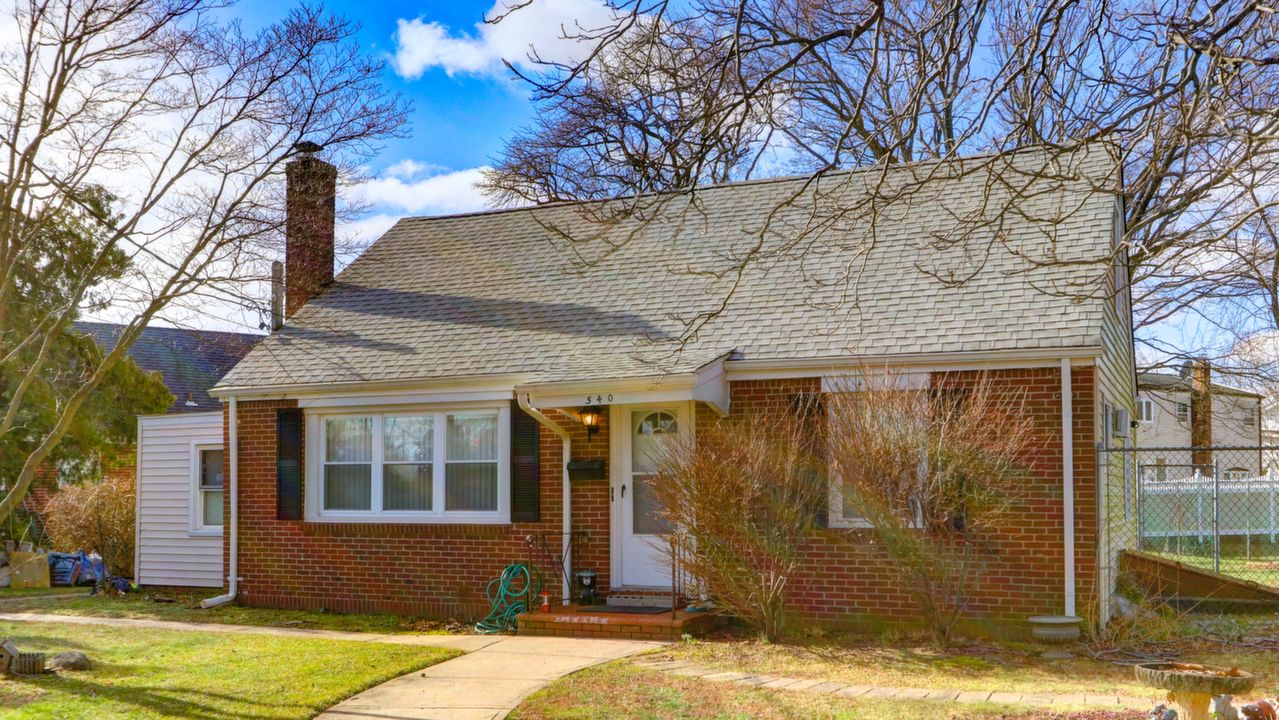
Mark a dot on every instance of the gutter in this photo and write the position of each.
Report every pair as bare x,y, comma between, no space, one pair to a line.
1068,483
233,437
566,489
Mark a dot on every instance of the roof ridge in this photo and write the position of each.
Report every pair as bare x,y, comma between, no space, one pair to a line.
839,172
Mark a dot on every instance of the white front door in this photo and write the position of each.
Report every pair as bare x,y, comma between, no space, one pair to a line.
639,434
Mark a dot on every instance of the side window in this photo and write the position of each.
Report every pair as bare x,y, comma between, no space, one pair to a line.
1183,412
1145,410
207,510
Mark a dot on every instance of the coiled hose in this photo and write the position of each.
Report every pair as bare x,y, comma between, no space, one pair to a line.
509,594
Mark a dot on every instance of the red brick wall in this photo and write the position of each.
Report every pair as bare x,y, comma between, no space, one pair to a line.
410,569
443,569
1024,573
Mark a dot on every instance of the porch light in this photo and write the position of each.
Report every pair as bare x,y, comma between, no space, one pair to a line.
591,419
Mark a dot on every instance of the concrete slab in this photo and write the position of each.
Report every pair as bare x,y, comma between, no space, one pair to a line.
513,667
575,647
422,713
853,691
1005,698
973,696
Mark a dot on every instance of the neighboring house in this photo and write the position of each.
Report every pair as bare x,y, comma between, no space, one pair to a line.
403,436
1173,411
180,454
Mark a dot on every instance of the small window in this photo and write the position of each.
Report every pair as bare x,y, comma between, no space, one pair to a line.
1250,419
1183,412
208,491
1235,473
1145,411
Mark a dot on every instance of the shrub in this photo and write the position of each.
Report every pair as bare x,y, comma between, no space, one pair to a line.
96,515
743,496
932,472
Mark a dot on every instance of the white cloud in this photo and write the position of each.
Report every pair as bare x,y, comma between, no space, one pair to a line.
542,24
413,188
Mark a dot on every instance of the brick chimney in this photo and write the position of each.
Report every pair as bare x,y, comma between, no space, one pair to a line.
309,214
1201,412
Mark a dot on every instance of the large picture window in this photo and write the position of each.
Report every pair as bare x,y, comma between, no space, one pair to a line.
407,466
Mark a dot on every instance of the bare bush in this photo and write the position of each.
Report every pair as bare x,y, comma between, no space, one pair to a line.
931,472
743,496
96,516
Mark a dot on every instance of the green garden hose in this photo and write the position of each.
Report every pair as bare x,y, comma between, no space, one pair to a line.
515,591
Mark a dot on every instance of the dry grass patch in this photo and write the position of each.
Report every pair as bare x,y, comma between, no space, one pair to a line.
1005,667
623,691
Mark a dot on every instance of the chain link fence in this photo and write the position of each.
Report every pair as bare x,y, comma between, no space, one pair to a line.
1212,508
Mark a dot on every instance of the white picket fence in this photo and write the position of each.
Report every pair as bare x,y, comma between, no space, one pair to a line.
1183,507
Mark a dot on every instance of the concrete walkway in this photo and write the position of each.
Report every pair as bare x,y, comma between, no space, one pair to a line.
849,690
483,685
491,679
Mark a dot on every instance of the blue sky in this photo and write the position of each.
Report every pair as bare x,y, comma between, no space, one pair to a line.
448,63
458,120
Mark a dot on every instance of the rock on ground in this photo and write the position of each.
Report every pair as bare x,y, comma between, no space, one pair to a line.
69,661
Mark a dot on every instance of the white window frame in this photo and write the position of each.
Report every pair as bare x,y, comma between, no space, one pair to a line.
315,453
197,493
1177,410
835,518
1145,410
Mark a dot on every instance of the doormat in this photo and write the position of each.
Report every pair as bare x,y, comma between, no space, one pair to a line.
632,609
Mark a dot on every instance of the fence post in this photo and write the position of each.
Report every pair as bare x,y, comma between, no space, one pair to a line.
1199,507
1216,520
1273,530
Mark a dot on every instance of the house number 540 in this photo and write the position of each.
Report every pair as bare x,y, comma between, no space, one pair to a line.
599,399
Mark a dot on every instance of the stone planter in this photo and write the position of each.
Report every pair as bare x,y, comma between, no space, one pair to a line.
1055,631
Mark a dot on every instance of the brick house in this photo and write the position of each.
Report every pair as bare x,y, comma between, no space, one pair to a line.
405,434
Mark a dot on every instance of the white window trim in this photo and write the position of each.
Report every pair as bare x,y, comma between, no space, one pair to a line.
1145,411
835,498
315,511
197,526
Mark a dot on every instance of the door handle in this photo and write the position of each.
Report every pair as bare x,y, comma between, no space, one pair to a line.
623,491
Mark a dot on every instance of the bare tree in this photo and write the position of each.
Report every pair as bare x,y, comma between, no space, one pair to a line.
186,119
1183,91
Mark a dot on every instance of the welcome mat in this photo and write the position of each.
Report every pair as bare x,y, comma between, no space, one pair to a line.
630,609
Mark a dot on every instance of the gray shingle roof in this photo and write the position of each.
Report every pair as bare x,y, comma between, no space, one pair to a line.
189,361
1180,383
919,258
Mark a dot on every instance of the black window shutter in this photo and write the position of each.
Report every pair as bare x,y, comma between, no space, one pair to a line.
288,464
526,467
811,409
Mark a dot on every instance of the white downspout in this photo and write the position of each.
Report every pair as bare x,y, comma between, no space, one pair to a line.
232,485
566,489
1068,482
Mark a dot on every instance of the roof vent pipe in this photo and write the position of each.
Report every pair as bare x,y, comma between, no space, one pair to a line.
277,295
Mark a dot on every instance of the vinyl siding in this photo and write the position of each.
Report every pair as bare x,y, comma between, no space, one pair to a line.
169,553
1228,429
1116,388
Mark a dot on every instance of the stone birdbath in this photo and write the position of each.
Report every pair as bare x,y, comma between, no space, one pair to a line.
1192,687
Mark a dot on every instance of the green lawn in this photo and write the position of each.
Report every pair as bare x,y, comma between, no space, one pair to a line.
186,608
620,690
151,674
12,593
